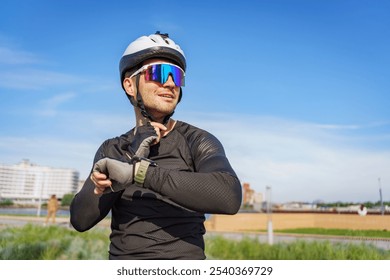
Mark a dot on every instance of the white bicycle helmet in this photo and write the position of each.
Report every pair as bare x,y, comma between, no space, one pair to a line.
146,47
153,46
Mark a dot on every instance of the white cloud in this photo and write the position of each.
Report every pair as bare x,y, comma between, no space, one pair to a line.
54,152
20,69
50,106
301,161
17,57
34,79
70,143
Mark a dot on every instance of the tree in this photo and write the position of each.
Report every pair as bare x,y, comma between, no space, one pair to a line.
67,199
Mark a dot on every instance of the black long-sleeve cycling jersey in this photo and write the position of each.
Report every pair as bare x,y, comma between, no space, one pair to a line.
164,218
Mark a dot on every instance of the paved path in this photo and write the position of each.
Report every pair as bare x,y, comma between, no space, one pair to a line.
8,220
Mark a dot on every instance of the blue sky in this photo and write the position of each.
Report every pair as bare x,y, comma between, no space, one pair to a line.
297,91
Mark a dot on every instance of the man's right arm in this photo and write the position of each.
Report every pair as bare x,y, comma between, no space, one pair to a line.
87,208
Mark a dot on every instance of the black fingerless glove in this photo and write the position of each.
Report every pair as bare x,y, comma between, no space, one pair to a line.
143,138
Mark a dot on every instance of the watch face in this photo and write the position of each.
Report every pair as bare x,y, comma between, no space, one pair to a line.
139,159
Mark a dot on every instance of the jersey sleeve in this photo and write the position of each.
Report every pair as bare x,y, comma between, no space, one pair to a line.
87,209
213,188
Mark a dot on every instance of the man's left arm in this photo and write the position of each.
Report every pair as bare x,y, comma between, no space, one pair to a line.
214,188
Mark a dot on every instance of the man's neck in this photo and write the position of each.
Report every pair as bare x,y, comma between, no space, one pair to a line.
141,120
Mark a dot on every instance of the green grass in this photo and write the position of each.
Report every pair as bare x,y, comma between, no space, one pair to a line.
250,249
35,242
338,232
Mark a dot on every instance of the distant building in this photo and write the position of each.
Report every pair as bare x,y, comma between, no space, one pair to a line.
27,183
80,185
301,206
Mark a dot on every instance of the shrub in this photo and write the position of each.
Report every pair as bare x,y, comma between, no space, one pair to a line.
6,202
67,199
33,242
252,249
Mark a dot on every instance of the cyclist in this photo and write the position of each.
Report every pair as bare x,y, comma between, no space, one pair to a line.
161,177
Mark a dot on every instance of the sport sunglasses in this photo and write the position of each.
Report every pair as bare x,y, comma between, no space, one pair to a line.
159,72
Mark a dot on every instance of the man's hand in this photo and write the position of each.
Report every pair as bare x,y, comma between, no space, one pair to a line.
146,136
112,174
100,181
160,129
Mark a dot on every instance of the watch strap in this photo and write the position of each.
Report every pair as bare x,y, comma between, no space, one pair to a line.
139,177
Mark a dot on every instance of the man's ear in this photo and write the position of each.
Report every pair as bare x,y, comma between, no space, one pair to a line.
129,86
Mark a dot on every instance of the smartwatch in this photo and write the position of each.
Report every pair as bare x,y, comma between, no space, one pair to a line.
143,165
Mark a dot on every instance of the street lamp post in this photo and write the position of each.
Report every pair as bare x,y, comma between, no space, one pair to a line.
40,196
380,196
269,216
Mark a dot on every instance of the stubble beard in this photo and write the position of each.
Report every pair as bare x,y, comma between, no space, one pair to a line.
160,110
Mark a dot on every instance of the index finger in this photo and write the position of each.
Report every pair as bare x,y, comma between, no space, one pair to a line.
160,126
99,176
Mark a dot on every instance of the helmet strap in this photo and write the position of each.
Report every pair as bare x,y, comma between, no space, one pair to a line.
140,102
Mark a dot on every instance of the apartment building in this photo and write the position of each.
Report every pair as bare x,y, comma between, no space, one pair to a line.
27,183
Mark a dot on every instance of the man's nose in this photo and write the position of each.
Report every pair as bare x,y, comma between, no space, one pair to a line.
169,82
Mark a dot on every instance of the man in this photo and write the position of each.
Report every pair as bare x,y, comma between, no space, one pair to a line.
161,177
52,208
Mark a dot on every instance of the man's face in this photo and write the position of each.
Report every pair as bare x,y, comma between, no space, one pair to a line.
159,99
